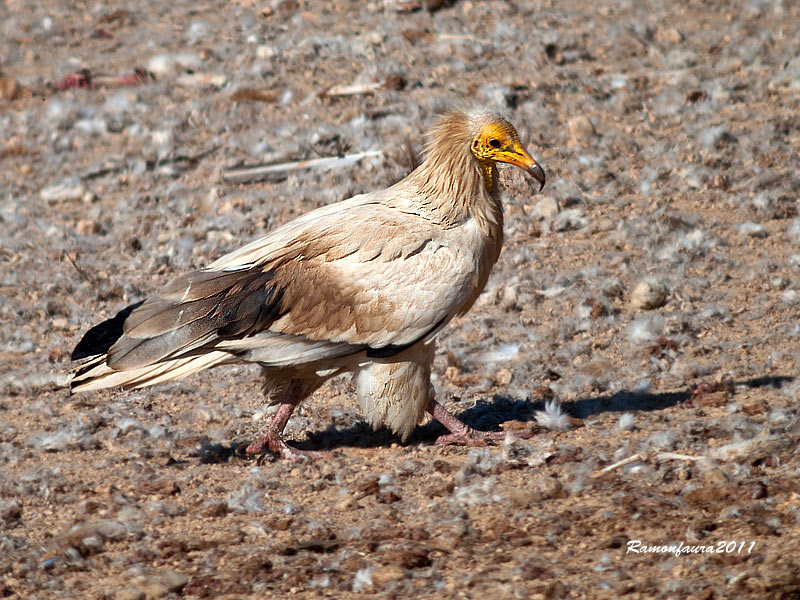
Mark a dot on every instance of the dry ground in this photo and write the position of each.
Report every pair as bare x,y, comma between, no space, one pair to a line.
670,135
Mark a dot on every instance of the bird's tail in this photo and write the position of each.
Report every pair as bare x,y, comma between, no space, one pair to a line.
95,374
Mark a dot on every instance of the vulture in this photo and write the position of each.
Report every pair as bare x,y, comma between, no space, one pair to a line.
361,286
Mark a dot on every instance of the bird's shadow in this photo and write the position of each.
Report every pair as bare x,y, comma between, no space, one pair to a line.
487,416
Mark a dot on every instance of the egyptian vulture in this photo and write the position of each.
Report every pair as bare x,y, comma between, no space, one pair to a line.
361,286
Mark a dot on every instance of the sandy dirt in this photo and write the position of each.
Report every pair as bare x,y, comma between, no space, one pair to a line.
643,317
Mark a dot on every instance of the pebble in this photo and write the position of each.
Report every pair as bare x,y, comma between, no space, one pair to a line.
111,530
668,35
88,227
201,80
66,191
754,230
92,544
571,219
503,377
129,593
649,293
162,65
346,504
9,88
387,574
153,589
266,52
549,487
546,209
523,498
581,129
158,585
10,510
173,580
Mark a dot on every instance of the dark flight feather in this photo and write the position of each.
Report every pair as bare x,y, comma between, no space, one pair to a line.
101,337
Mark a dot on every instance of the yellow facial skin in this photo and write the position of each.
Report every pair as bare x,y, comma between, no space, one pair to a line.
499,142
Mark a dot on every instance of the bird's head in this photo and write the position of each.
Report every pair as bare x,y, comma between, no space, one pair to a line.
496,140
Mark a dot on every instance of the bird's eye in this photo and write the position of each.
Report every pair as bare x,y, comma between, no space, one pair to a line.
494,143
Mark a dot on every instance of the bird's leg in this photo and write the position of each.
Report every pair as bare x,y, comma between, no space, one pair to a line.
271,438
461,433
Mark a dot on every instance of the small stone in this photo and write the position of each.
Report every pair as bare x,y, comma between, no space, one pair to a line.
648,294
549,487
172,580
279,522
201,80
346,503
546,209
669,35
162,66
522,497
598,368
160,584
216,509
9,88
503,377
153,588
580,129
92,544
66,191
88,227
111,530
387,574
265,52
754,230
387,497
10,510
129,593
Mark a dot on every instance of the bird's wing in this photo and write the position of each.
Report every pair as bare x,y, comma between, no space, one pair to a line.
355,277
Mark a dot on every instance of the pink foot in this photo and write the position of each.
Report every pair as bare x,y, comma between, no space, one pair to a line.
473,437
284,450
461,433
271,438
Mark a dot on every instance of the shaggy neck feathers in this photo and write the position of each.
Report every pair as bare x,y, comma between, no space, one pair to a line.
454,185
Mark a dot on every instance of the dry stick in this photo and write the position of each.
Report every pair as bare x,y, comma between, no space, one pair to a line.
658,457
618,464
662,456
354,89
391,82
255,94
279,171
78,268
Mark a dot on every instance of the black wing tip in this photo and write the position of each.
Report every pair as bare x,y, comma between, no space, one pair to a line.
101,337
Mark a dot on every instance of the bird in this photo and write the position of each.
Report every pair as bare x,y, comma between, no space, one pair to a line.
361,286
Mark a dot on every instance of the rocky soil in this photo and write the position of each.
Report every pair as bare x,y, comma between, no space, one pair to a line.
643,317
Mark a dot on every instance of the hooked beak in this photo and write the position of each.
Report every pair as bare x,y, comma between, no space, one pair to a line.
519,157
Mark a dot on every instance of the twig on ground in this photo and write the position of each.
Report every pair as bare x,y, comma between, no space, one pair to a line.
84,275
392,82
255,94
652,457
618,464
279,171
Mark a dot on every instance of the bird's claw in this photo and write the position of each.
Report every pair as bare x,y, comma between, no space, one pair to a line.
474,438
284,450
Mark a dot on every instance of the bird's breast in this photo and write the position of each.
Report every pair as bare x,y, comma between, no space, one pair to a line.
480,250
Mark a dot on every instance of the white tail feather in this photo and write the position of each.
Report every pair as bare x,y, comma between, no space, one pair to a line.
102,376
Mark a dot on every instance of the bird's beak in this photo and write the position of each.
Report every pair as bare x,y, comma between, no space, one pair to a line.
519,157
